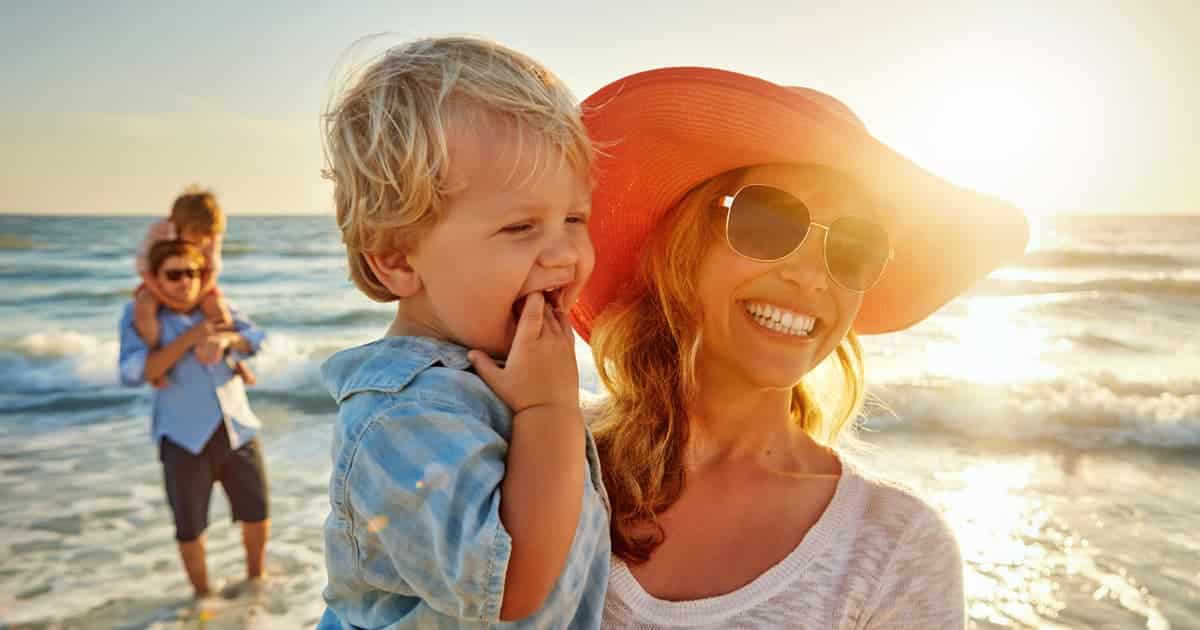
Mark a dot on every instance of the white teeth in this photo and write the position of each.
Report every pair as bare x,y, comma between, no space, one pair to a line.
780,320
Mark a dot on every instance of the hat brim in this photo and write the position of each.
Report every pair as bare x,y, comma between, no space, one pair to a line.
663,132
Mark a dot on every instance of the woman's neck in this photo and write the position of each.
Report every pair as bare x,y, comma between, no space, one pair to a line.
728,426
732,422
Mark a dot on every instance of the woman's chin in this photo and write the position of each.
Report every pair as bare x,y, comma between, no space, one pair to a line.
779,368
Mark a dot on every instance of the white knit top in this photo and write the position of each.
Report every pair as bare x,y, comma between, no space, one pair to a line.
878,557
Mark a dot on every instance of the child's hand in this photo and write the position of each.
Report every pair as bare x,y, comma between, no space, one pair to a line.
541,369
200,332
198,339
209,351
213,348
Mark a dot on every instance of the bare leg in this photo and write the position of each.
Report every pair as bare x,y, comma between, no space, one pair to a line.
245,372
254,538
192,553
216,309
145,317
145,322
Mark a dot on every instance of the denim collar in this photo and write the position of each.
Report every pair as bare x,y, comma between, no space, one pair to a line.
388,364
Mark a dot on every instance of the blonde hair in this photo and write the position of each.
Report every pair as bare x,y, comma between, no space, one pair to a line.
645,350
196,210
386,136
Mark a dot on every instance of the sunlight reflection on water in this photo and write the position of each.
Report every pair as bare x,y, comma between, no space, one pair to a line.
1026,567
993,344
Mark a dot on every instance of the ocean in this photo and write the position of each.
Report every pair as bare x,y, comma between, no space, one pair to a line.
1052,413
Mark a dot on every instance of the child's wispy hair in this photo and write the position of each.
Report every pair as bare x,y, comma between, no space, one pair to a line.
386,136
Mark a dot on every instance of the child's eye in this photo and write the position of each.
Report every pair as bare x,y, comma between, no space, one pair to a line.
580,219
517,228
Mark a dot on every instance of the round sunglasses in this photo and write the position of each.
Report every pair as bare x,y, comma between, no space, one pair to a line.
175,275
766,224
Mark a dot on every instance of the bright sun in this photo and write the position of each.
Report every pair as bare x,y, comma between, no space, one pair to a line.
985,131
1005,130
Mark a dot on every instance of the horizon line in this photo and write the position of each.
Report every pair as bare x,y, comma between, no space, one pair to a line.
300,215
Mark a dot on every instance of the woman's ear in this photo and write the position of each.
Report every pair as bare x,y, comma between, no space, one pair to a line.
394,272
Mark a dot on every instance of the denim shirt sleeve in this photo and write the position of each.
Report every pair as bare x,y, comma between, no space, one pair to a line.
249,330
131,363
423,492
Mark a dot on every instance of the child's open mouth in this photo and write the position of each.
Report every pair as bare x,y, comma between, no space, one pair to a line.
553,296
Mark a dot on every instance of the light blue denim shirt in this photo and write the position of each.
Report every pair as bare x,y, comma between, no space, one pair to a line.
414,538
199,397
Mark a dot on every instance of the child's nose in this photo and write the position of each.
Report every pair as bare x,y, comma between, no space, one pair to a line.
560,252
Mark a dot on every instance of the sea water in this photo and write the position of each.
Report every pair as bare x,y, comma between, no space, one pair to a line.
1052,414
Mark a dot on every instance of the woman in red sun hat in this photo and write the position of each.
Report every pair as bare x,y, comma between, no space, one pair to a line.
746,232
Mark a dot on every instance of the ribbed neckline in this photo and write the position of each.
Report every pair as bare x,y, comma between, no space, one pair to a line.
843,510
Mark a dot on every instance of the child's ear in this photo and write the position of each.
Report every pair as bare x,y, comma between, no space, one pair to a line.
395,272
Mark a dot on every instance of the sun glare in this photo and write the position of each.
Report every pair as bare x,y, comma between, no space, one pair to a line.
1016,127
1001,529
992,344
986,129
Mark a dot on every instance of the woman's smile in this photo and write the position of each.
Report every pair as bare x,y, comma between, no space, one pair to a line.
795,326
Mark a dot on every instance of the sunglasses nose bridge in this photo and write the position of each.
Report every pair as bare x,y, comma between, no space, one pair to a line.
176,275
806,266
811,239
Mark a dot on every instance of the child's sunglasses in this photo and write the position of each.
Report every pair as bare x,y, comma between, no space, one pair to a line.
767,224
175,275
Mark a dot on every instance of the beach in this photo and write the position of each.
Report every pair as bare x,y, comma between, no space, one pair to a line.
1052,414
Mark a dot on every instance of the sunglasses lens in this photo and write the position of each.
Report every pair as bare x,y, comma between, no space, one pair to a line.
856,251
175,275
766,223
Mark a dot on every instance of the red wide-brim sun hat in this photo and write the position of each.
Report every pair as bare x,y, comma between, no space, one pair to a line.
663,132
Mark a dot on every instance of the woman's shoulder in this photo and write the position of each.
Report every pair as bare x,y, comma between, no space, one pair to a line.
907,555
896,516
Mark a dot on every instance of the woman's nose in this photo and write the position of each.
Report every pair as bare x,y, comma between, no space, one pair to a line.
806,266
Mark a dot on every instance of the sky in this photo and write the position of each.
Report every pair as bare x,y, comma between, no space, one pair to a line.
1064,107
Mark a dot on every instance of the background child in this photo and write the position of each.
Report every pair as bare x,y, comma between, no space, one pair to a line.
462,492
195,218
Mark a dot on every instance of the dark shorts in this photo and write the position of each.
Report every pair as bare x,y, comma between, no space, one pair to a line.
189,480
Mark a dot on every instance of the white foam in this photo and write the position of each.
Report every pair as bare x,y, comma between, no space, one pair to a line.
1085,412
63,359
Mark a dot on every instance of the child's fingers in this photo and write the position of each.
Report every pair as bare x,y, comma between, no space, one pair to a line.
559,325
552,324
564,319
529,327
485,367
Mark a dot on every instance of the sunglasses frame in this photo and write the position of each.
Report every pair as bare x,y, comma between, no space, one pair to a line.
189,273
726,202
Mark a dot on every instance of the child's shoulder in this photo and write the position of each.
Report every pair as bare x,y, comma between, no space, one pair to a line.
412,371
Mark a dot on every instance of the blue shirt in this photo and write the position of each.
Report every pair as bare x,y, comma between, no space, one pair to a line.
199,397
414,538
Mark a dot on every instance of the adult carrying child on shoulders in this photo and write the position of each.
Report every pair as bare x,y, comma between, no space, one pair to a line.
202,423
